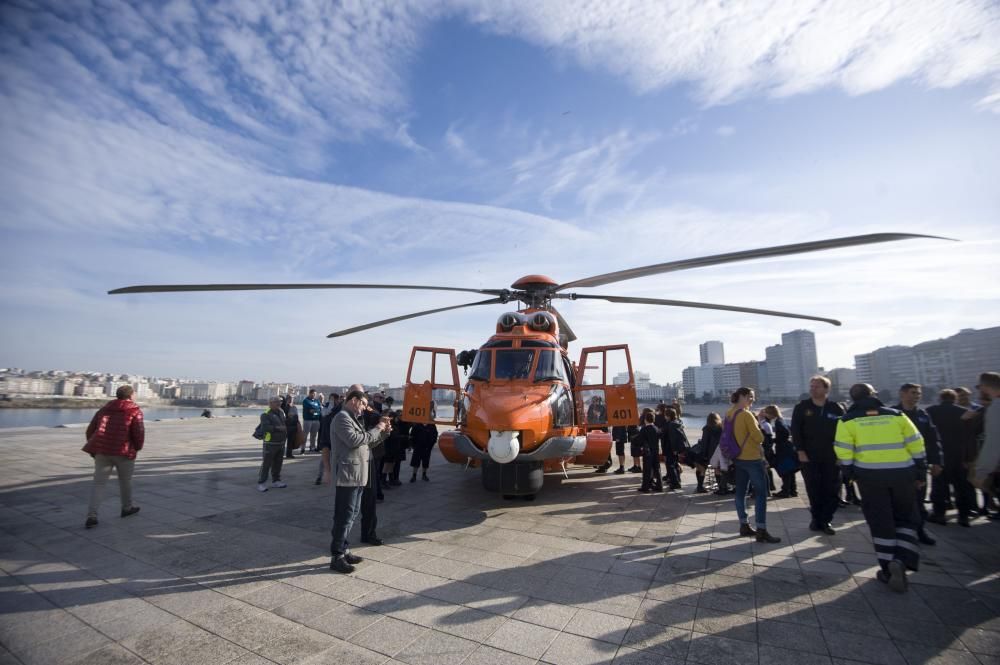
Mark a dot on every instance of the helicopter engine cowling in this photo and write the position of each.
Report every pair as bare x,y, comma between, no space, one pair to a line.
503,447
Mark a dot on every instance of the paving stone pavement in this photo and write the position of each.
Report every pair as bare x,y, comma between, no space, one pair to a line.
211,571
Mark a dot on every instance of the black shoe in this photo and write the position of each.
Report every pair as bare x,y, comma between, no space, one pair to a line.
780,495
601,469
935,518
127,512
289,456
794,494
963,521
814,526
636,469
319,481
925,538
764,537
352,559
90,523
620,470
842,504
897,576
700,490
340,565
747,530
882,576
380,497
426,478
948,505
829,530
413,478
394,483
372,541
855,501
645,490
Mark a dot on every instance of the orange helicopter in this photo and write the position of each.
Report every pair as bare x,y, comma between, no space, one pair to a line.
526,409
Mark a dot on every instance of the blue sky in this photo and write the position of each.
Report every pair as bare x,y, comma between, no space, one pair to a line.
462,143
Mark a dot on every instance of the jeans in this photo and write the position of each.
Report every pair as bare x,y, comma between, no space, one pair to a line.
751,472
103,464
311,428
272,461
347,505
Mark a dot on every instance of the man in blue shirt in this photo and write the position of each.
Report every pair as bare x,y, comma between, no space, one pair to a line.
312,413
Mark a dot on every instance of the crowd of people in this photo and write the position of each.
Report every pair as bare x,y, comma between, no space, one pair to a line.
866,454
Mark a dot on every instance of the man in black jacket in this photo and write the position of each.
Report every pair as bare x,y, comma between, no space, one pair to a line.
959,446
909,404
814,426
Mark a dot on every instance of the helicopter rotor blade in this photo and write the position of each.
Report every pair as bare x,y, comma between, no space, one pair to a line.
717,259
702,305
177,288
383,322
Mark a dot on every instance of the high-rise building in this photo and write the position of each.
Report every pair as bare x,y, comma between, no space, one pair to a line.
953,361
841,380
753,374
726,379
698,381
712,353
800,361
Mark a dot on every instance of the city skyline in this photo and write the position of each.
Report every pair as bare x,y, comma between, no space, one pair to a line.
469,143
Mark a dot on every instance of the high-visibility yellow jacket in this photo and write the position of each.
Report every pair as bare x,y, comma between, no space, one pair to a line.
871,436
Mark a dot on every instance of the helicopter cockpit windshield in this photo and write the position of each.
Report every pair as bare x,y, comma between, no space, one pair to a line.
550,367
513,364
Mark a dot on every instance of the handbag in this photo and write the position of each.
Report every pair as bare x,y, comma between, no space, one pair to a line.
300,438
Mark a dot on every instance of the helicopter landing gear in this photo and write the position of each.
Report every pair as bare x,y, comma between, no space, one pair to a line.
513,479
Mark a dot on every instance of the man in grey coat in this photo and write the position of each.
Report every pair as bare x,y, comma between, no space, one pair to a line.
350,452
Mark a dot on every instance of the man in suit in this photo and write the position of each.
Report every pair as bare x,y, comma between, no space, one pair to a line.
351,445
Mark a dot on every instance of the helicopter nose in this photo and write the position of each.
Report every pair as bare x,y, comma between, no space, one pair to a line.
503,447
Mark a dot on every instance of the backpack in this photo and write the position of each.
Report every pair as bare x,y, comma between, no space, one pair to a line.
258,433
727,442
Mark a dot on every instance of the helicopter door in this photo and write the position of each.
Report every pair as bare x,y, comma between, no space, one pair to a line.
605,387
432,388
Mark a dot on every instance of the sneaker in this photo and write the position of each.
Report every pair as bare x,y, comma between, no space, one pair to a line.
277,484
261,487
764,537
747,530
90,523
897,576
620,470
127,512
352,559
340,565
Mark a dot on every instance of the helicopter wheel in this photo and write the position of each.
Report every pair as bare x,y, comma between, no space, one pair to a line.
528,497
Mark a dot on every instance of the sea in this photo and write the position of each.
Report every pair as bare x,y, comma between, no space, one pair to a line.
64,417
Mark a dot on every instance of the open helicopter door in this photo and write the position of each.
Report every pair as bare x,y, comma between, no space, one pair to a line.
605,387
432,388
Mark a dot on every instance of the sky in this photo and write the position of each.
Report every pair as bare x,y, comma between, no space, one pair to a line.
465,143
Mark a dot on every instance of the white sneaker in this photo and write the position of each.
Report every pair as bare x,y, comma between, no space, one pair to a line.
261,487
278,484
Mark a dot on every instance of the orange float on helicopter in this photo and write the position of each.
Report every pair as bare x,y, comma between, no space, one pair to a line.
525,408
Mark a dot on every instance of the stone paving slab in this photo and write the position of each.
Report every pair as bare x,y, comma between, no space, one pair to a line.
212,571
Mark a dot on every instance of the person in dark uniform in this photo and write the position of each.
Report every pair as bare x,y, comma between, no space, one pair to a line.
621,434
701,452
959,447
648,440
422,437
909,405
883,450
814,424
785,461
675,446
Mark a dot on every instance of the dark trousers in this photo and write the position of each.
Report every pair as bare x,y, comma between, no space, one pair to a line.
369,518
271,462
887,500
823,485
347,503
421,456
290,443
953,475
651,477
673,469
788,483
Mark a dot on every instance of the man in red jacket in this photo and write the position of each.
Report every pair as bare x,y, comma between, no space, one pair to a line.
114,436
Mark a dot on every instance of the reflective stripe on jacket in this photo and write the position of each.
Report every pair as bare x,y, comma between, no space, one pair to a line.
871,436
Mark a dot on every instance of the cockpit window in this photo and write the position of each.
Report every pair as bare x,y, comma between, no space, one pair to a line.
550,367
481,365
513,364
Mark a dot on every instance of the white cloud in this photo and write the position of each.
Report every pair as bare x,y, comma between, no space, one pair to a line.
460,149
725,131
